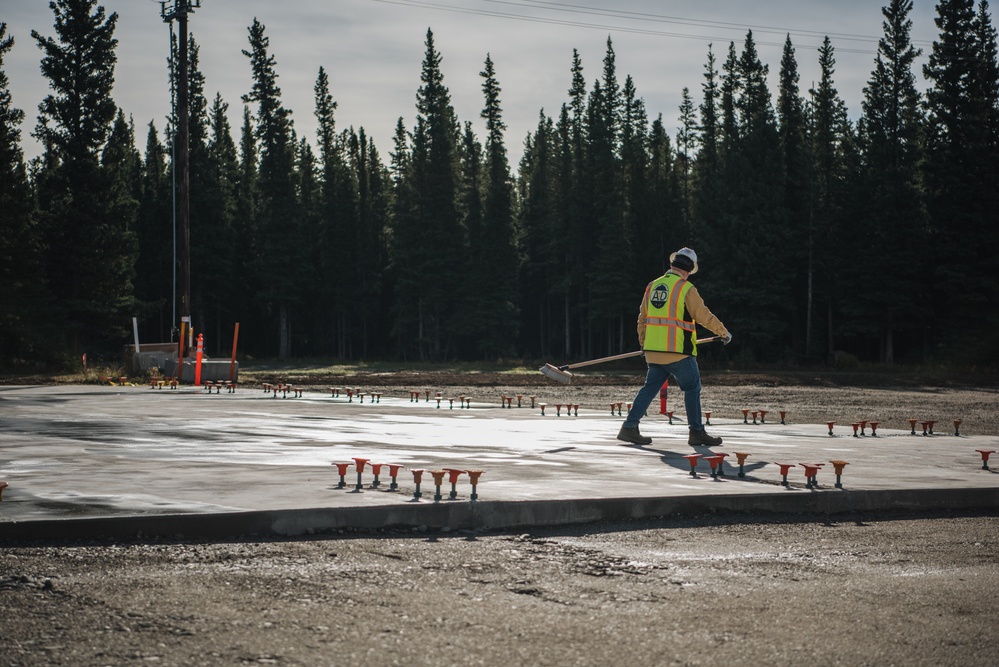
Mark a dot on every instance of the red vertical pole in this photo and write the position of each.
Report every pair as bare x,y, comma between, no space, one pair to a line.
662,397
232,364
197,360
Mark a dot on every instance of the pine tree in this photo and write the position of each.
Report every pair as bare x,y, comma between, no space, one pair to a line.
403,241
961,168
540,243
122,166
208,247
730,89
636,188
578,223
278,220
750,229
985,92
666,207
337,220
686,145
470,207
154,228
89,278
309,205
246,299
893,222
705,208
435,262
370,259
610,271
495,310
828,135
219,184
795,187
23,300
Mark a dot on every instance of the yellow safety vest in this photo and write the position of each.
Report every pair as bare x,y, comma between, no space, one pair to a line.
667,328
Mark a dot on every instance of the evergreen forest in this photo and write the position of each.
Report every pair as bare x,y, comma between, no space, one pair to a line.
819,237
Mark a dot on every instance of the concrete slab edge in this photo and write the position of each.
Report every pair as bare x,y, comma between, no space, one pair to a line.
490,515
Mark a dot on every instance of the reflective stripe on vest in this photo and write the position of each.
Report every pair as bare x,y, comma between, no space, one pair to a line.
667,328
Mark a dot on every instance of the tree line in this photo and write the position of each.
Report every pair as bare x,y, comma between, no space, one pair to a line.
817,234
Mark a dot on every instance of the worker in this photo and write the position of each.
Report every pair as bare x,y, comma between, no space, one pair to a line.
667,320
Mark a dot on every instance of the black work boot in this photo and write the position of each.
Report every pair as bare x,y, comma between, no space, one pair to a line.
633,436
702,438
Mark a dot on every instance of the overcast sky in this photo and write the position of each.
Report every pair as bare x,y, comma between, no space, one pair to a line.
373,50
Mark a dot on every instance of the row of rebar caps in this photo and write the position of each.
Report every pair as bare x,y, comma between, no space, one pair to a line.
464,401
717,463
373,396
230,387
860,428
283,388
762,414
453,475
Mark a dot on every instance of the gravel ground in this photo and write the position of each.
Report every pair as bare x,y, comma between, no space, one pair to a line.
714,590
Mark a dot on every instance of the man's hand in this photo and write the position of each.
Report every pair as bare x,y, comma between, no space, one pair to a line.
726,339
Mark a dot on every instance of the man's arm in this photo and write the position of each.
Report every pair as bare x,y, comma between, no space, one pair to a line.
704,317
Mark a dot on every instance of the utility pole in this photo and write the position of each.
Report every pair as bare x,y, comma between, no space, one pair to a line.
179,10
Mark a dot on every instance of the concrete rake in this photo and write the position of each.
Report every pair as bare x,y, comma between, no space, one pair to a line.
562,374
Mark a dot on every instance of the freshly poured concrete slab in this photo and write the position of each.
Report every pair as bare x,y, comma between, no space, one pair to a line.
94,452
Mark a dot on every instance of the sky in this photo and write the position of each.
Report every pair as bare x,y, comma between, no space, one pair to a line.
373,50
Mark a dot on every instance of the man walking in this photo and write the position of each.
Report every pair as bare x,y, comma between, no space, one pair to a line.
670,312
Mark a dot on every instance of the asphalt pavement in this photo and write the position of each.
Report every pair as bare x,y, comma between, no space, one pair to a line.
126,461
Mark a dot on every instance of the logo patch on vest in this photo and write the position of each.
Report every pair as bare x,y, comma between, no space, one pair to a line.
660,295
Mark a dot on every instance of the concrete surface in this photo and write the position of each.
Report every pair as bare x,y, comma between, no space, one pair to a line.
85,461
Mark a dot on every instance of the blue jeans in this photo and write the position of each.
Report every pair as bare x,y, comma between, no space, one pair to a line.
687,376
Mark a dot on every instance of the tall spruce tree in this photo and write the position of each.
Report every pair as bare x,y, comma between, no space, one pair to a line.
610,270
155,238
750,230
403,238
89,256
540,244
962,172
246,299
470,207
122,166
636,195
219,186
207,228
279,226
370,258
795,174
705,207
985,90
309,198
23,303
892,227
493,310
666,205
686,145
433,264
825,243
578,226
337,221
